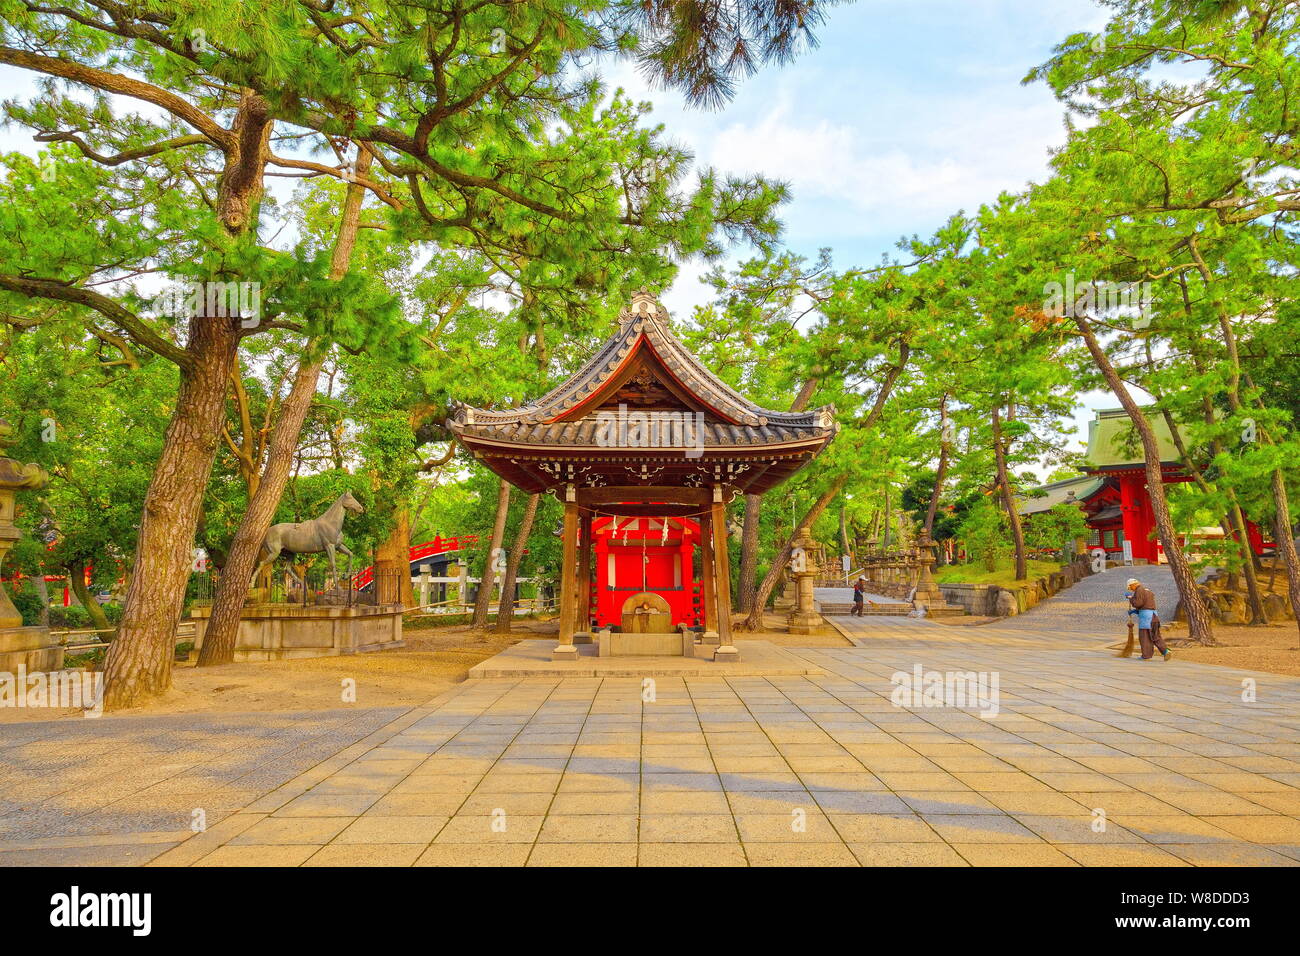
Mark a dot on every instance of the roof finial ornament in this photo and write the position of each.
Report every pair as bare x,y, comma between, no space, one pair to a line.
644,303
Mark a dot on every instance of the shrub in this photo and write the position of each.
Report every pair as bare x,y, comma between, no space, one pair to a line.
71,618
27,601
985,533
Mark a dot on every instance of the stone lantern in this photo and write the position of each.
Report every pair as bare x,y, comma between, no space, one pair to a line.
805,618
29,647
926,588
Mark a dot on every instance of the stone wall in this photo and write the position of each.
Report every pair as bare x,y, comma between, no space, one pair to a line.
992,600
977,599
284,631
1233,606
31,647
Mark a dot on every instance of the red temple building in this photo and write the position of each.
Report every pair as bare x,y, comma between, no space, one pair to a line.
1113,492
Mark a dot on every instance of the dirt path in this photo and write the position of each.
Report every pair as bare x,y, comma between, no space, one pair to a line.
1274,649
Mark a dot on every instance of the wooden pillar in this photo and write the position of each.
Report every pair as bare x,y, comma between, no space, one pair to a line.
708,580
582,626
568,578
722,576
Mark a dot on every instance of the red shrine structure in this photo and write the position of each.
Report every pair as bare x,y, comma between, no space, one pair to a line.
645,554
1113,492
646,448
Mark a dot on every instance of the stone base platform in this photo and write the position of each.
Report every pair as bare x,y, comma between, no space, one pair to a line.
273,632
532,658
31,647
616,644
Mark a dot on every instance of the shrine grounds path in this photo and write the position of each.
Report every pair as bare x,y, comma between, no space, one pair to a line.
1089,760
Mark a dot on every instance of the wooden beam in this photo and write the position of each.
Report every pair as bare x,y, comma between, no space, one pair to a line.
582,626
647,511
568,580
708,579
643,493
718,521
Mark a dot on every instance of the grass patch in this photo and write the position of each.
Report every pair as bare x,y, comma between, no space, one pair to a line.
92,658
419,622
1004,576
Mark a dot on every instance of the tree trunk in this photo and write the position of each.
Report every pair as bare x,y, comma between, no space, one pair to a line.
754,622
1238,521
77,581
498,535
506,609
393,562
1008,498
43,591
139,662
941,472
245,549
1286,541
887,521
747,586
1200,625
1233,524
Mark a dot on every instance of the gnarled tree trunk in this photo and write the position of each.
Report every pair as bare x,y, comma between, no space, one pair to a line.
236,578
139,662
506,609
484,598
1200,625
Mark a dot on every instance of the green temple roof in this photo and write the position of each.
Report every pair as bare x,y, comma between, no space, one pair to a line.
1113,443
1046,497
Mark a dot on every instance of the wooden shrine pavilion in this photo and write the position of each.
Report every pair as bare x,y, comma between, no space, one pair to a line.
644,430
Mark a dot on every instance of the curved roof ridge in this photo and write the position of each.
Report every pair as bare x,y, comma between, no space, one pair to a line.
643,317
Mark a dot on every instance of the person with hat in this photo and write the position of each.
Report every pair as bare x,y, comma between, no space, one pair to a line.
1142,602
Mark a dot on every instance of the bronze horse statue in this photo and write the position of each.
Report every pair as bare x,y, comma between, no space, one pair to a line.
310,537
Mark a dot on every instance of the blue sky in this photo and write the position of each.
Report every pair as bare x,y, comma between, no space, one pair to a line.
906,113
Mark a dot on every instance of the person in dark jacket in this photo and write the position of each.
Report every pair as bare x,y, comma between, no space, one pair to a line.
1142,602
859,587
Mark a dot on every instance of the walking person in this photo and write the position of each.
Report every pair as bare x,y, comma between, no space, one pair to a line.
859,594
1142,602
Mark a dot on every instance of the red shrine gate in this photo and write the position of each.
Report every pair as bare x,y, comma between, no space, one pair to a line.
645,554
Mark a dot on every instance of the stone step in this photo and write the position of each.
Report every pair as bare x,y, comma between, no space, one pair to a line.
945,610
892,610
877,609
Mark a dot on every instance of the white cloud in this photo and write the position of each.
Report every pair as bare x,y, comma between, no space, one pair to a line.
905,173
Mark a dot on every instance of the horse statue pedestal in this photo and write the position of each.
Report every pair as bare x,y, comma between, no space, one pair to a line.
272,632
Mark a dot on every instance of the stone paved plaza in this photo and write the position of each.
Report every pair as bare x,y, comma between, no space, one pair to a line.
716,770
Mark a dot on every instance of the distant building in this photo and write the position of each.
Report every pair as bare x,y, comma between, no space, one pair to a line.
1113,490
